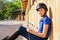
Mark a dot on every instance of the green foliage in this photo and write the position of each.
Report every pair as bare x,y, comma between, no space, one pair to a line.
8,8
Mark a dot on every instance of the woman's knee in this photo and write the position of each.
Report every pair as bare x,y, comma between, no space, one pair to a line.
21,28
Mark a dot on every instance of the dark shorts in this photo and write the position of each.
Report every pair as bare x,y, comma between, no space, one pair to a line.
29,36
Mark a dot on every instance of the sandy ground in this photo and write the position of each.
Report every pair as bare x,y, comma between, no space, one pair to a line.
9,30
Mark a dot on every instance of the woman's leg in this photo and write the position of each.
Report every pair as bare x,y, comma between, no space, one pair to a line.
15,35
21,31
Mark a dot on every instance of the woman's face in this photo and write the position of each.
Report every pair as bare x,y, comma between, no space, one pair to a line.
41,12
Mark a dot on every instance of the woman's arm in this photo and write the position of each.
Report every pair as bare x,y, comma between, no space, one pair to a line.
43,35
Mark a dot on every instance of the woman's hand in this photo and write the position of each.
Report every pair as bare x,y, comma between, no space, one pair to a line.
29,30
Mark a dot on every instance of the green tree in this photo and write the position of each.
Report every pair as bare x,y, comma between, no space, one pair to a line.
17,2
7,9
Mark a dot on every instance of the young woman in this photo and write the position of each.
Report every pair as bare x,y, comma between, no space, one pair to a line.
44,26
